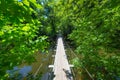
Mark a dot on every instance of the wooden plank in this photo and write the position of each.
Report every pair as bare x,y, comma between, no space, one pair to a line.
61,67
51,66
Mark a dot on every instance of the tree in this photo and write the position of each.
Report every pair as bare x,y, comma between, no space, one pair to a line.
96,23
18,33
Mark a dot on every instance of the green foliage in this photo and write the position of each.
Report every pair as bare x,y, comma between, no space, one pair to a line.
92,25
95,33
96,36
18,33
94,28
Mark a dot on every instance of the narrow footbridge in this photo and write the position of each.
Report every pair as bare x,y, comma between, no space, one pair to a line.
61,67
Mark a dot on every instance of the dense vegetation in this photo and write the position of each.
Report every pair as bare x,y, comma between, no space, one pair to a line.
19,39
96,36
92,26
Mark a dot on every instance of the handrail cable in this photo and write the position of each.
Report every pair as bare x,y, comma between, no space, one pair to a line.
82,65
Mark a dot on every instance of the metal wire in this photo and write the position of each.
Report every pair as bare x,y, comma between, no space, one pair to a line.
79,59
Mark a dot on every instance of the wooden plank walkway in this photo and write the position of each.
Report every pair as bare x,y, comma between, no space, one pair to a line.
61,67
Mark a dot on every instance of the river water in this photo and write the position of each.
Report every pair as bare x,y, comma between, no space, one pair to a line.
35,70
39,68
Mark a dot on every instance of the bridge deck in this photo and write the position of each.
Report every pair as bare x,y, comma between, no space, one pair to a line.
61,67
